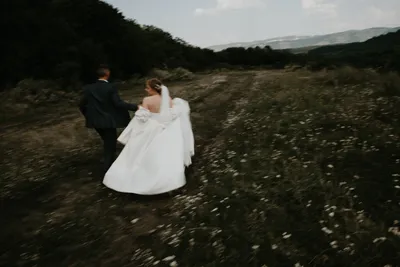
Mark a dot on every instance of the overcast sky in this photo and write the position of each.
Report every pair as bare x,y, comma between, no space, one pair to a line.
210,22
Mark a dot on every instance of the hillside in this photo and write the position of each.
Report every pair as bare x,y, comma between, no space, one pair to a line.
66,44
291,169
379,52
293,42
302,50
67,41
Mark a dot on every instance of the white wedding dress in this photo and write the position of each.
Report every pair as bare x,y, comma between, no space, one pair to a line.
158,147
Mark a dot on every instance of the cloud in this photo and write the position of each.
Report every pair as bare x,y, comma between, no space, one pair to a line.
320,7
223,5
383,16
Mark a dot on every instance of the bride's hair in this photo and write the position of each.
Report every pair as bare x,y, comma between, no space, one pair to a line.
155,84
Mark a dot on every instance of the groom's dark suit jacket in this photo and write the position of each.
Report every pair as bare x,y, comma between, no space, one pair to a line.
103,108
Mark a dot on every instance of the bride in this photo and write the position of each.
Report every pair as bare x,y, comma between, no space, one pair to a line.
158,143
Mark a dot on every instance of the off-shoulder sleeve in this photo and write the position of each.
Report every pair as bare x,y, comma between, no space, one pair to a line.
135,126
142,115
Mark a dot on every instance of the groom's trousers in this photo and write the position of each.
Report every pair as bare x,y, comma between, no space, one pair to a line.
109,137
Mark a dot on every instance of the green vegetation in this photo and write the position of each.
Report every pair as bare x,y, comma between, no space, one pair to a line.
65,40
380,53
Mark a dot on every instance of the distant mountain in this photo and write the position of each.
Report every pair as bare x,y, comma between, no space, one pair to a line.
294,42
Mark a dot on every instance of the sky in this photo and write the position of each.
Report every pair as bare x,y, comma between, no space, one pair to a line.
210,22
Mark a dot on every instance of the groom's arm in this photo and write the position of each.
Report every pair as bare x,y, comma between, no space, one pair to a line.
83,102
118,102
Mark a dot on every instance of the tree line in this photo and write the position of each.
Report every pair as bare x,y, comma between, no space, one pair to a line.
65,40
381,53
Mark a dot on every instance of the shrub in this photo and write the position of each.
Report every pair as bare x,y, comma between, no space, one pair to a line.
178,74
350,75
390,84
346,76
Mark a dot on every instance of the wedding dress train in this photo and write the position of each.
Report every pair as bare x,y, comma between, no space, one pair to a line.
158,147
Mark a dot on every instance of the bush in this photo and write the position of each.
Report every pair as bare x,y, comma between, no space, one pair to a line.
181,74
346,76
178,74
37,92
350,75
389,85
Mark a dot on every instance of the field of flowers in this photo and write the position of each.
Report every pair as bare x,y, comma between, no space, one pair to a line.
291,169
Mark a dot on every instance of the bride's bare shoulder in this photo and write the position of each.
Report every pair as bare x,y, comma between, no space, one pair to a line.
149,101
150,98
146,99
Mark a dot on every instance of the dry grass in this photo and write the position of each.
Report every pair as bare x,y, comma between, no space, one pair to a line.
178,74
292,169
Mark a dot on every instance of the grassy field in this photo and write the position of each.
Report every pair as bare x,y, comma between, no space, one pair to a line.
291,169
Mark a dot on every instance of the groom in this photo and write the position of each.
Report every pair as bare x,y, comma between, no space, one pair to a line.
105,112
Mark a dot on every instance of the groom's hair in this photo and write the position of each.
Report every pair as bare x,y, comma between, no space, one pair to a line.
102,71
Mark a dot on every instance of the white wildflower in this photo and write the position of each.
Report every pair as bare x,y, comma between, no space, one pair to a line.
327,231
286,236
169,258
376,240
